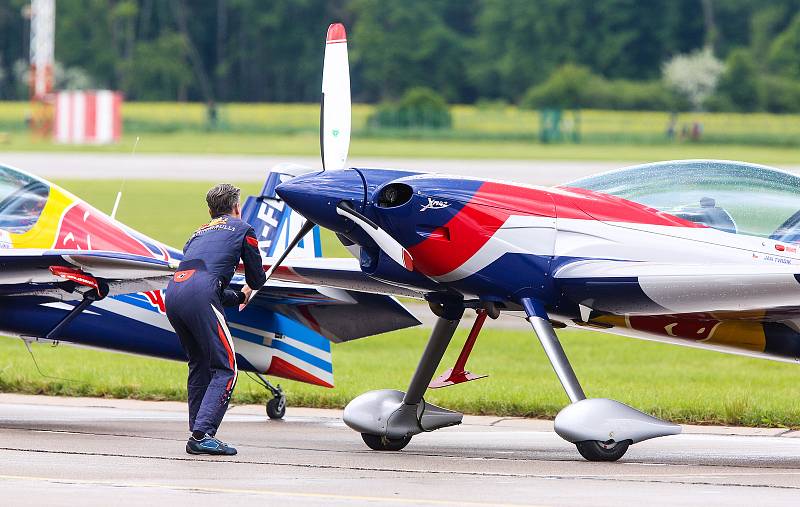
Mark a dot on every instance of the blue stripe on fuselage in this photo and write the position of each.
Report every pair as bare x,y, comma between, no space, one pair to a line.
276,323
136,299
434,203
303,355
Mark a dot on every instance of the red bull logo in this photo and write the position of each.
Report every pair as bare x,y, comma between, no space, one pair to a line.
156,299
688,328
82,228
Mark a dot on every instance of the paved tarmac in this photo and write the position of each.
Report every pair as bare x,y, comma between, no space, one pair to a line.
254,168
72,451
78,451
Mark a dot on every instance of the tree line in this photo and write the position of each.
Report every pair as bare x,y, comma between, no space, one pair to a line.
467,50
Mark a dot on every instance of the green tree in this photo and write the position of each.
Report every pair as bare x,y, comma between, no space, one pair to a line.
784,53
158,69
738,85
418,107
400,45
569,87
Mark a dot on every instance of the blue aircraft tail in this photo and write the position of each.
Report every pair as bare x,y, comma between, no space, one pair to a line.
276,223
296,350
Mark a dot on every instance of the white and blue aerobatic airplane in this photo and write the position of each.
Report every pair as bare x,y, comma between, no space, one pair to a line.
70,273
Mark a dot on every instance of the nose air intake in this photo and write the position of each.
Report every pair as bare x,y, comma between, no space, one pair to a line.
394,195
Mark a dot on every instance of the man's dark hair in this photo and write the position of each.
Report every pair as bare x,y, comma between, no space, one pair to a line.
222,198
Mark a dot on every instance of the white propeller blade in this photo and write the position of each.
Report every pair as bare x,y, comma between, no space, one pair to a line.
335,117
385,242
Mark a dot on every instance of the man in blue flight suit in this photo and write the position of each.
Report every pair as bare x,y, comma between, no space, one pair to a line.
194,301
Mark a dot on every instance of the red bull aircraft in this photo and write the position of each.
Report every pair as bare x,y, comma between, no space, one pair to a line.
700,252
69,272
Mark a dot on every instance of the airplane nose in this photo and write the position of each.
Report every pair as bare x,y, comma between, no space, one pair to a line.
315,196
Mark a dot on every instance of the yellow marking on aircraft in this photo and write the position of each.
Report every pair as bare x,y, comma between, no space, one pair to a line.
44,231
742,334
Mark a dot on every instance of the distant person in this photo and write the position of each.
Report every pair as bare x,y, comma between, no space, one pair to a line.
671,126
194,300
213,115
697,131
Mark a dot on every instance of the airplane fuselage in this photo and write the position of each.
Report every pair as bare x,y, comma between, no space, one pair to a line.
499,242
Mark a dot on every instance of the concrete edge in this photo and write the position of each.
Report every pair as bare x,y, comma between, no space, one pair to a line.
500,423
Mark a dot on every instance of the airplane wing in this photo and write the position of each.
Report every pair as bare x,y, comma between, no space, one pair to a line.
59,272
337,314
338,273
645,288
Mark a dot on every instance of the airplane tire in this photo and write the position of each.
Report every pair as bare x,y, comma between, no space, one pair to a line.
377,443
276,408
593,450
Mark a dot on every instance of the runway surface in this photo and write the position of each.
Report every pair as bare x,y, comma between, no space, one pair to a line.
254,168
59,451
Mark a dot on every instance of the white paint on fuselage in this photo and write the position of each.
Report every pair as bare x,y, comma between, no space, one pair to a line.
531,235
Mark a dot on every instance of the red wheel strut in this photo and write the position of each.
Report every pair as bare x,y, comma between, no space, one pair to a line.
457,374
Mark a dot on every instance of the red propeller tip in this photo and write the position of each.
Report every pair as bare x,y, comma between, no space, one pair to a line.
336,33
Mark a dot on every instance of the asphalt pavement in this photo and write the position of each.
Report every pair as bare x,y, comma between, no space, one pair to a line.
254,168
75,451
83,451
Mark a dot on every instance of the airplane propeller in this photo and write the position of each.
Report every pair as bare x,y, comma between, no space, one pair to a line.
334,137
335,110
334,120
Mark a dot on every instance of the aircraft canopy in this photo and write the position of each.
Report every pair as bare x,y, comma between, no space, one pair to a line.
734,197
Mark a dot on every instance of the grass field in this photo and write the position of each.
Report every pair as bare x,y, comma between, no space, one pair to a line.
308,145
478,133
671,382
680,384
144,203
508,120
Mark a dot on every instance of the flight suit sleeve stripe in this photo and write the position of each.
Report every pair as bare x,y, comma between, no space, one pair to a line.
227,342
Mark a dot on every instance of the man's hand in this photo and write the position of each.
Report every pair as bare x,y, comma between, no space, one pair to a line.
248,292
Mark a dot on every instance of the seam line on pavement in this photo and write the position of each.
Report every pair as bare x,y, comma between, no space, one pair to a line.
632,478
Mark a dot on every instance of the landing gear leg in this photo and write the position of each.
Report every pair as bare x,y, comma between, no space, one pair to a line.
552,347
276,407
387,419
601,429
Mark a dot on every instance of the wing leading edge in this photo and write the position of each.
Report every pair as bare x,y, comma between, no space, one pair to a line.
29,271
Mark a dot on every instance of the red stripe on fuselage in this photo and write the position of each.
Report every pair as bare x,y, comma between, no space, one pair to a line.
475,224
577,203
492,204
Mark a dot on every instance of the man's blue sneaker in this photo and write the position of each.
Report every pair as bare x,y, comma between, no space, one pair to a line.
209,445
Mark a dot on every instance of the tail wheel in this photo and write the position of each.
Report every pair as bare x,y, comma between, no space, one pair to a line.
276,407
593,450
383,443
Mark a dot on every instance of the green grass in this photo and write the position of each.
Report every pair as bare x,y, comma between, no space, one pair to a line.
478,133
466,119
165,210
676,383
308,145
671,382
